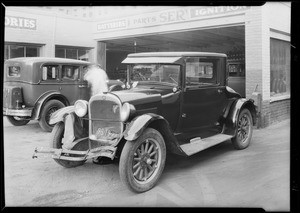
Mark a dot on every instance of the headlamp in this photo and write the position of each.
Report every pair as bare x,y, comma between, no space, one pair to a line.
125,112
81,108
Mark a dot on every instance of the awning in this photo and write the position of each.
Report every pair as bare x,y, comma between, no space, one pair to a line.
150,60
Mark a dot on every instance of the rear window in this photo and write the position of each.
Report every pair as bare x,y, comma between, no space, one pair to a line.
14,71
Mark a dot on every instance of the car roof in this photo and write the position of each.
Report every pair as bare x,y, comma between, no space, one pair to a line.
48,59
176,54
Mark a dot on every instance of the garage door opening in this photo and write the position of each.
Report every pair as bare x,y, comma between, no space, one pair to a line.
228,40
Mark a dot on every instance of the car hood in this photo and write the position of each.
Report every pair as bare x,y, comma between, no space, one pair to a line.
139,96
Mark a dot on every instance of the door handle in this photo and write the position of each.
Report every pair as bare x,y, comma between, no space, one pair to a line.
220,91
81,86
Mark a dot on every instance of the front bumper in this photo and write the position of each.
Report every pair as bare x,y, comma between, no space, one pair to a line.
64,154
26,112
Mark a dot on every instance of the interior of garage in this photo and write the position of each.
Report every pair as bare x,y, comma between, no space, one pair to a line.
229,40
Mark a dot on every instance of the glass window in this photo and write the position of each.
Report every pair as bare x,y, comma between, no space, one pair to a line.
156,73
280,67
50,72
200,71
70,72
71,53
32,51
236,70
60,53
83,55
17,51
14,71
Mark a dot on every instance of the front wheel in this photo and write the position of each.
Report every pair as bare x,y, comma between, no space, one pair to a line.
49,108
142,161
244,130
17,121
56,142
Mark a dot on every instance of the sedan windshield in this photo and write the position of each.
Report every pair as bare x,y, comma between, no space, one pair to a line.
156,73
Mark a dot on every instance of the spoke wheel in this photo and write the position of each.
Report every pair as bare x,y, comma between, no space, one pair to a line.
244,130
142,161
56,142
47,110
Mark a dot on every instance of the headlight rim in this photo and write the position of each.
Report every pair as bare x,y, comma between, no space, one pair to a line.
85,103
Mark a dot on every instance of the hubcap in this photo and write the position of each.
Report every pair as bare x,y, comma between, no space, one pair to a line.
243,127
146,160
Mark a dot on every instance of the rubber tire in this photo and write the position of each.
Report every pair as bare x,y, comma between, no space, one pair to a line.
125,164
237,144
15,122
55,142
42,121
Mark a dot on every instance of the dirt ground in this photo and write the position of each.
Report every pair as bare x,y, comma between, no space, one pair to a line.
221,176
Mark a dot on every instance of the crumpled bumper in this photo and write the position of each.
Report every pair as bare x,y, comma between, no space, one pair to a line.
73,155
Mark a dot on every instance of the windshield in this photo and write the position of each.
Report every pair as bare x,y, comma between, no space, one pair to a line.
156,73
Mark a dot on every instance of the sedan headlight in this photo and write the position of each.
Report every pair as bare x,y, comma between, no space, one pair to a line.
81,108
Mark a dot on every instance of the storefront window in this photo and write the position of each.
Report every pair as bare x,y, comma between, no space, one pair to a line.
280,67
74,53
71,53
15,50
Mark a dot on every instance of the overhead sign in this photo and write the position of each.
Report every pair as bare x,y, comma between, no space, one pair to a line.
20,22
169,16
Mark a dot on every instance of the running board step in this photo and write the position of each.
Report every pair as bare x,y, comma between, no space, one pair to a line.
198,144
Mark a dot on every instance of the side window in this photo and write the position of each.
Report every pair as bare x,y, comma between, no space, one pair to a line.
70,72
200,71
50,72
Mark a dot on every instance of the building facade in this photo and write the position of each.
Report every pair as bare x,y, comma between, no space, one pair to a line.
255,38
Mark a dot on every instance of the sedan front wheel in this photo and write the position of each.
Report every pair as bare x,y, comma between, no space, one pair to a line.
142,161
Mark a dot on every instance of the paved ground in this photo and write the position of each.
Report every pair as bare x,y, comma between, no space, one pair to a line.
258,176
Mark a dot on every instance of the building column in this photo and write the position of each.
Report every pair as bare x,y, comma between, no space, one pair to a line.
101,54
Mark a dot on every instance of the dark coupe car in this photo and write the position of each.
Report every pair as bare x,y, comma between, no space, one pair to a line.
175,101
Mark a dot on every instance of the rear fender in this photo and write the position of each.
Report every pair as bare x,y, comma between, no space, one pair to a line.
235,109
60,114
135,128
43,99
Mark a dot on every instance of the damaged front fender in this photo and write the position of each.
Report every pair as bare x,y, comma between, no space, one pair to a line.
59,115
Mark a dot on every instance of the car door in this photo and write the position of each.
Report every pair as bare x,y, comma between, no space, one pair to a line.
204,98
70,82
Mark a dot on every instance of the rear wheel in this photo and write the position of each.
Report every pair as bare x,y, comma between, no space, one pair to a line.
17,121
47,110
142,161
56,142
244,130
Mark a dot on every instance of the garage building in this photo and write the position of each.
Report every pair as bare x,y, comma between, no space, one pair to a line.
255,38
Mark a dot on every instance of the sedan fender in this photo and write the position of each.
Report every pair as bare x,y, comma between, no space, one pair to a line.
138,124
60,114
232,117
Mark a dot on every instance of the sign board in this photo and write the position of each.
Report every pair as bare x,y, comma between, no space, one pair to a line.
167,17
20,22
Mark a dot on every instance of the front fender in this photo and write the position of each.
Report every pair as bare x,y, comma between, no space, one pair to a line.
236,107
59,115
135,128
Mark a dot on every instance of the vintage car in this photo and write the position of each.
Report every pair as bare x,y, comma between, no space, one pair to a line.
35,87
174,101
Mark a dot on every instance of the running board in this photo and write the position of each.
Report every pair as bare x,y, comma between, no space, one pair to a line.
198,144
